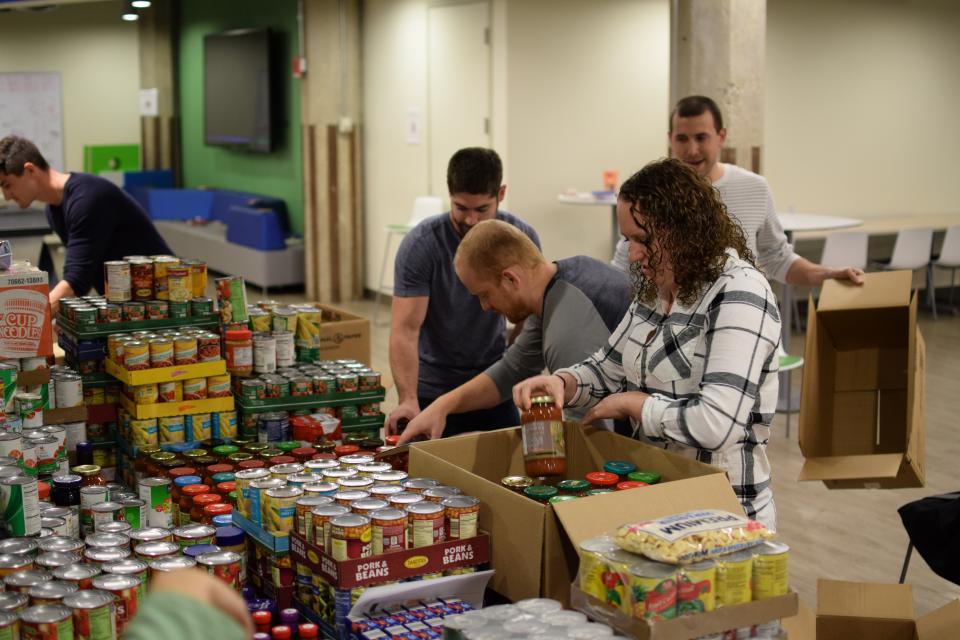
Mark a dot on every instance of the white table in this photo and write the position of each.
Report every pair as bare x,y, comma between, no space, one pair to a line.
792,223
585,198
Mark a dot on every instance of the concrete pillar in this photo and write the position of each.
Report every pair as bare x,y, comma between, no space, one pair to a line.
332,167
718,49
159,135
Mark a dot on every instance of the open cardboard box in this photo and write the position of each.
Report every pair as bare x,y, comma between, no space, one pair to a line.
848,610
343,335
534,553
862,412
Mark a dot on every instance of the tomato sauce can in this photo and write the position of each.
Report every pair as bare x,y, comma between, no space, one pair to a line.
47,622
225,565
126,592
94,615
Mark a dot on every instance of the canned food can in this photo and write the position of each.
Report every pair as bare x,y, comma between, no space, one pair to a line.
193,534
253,389
170,391
149,551
198,427
231,299
134,512
273,426
136,355
260,320
28,462
85,316
30,409
225,565
226,425
157,309
697,588
116,280
171,429
47,622
284,319
185,349
134,311
770,570
281,509
146,393
245,492
208,347
131,567
11,444
179,310
80,574
389,530
104,512
144,432
20,505
172,563
195,389
141,276
461,514
94,614
201,306
90,496
734,573
286,351
161,352
198,279
347,382
308,327
257,490
161,266
156,493
125,590
68,388
350,537
11,563
425,523
264,353
218,386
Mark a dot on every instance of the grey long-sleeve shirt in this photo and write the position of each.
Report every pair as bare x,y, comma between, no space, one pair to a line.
582,305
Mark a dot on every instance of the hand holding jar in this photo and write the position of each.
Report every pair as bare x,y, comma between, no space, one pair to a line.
559,386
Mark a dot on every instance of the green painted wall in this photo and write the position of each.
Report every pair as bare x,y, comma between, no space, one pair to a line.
278,174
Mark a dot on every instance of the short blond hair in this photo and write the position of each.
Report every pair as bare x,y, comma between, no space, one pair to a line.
492,246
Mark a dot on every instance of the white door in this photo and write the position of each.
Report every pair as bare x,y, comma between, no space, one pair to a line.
458,113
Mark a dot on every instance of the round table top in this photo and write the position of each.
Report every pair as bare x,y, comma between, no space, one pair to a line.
586,197
816,222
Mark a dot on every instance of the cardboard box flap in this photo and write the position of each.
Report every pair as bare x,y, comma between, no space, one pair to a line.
879,290
864,600
940,624
886,465
583,519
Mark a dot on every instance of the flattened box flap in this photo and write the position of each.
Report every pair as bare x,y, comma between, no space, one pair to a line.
879,290
940,624
864,600
583,519
863,467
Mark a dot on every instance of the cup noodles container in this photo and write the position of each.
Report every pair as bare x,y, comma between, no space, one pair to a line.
25,329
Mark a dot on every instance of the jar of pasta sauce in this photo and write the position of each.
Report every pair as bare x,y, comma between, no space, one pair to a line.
239,347
544,447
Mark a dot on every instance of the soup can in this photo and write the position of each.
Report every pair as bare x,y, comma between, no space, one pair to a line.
179,284
161,266
141,276
116,280
47,621
94,614
208,347
126,592
225,565
69,390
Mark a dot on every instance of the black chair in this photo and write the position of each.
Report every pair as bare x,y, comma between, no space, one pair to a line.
933,526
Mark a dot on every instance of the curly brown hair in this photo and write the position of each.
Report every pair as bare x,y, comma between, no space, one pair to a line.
685,214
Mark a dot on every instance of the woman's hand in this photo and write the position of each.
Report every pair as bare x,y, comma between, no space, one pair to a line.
538,386
618,406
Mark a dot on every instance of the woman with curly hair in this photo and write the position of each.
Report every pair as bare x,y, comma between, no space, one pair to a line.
693,364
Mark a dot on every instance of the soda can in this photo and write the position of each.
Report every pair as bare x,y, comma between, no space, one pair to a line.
94,614
30,409
156,493
68,389
20,505
116,280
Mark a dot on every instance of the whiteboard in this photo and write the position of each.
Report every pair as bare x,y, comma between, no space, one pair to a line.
30,106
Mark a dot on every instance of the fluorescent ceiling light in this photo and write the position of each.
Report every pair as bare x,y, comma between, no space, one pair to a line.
130,16
141,4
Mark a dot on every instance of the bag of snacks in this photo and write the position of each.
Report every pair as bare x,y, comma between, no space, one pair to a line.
691,536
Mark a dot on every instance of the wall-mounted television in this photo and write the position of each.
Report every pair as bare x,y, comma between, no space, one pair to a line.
237,90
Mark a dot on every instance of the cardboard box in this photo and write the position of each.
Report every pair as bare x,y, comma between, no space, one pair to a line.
344,335
533,552
683,628
25,329
862,412
867,610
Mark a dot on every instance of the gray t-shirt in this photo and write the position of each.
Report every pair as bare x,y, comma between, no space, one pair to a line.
583,304
458,338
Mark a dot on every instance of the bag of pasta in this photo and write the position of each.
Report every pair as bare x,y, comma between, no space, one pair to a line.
691,536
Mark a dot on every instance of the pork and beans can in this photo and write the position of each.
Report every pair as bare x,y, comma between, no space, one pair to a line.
170,391
425,524
46,622
389,530
322,517
461,515
161,352
185,349
136,355
195,389
126,593
94,614
218,386
350,537
304,518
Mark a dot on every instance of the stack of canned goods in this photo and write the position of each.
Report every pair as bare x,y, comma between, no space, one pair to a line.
195,427
216,386
293,327
90,311
163,348
325,378
144,279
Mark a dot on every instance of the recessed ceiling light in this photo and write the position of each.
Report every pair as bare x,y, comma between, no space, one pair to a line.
130,16
141,4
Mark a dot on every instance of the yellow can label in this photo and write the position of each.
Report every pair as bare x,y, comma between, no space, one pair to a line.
593,568
770,576
697,591
733,581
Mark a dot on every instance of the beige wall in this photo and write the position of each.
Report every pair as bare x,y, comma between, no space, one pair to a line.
576,94
97,57
861,106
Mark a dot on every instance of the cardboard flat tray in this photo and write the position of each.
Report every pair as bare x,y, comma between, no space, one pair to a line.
277,544
388,567
99,413
164,409
717,621
165,374
102,330
64,416
308,402
33,378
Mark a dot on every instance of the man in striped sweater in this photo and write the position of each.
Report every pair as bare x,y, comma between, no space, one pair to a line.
696,137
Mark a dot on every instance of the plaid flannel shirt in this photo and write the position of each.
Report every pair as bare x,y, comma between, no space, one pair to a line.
711,372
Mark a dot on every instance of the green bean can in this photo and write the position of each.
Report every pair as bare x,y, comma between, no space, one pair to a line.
8,382
155,492
179,310
134,511
20,505
201,306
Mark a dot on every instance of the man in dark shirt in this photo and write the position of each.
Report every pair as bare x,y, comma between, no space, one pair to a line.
94,218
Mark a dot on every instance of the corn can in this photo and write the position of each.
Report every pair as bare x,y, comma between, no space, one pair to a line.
260,321
171,429
198,427
734,572
226,425
284,319
281,509
161,266
146,393
307,327
144,432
